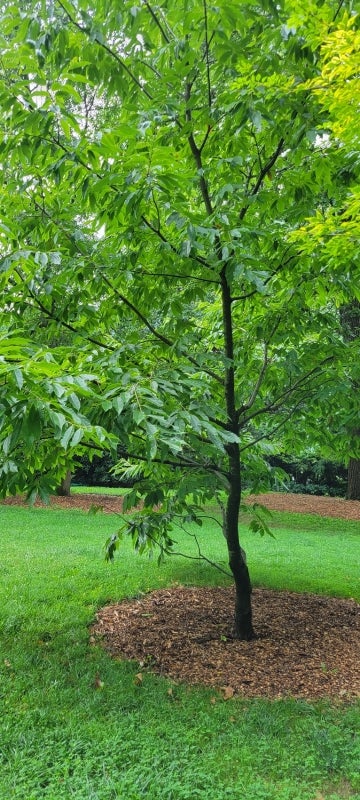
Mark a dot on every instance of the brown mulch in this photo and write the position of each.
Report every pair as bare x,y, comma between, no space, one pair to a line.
307,646
275,501
309,504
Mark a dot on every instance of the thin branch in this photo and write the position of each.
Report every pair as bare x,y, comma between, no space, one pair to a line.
115,189
207,134
261,375
202,182
108,50
170,552
268,279
304,398
341,3
257,148
196,152
263,436
163,238
182,463
137,312
208,80
157,21
263,173
178,275
75,157
257,386
48,313
157,230
200,557
157,334
130,305
267,167
277,403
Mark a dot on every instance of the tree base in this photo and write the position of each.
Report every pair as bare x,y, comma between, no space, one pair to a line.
244,631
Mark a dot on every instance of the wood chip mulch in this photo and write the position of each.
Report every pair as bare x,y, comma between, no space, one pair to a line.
276,501
307,645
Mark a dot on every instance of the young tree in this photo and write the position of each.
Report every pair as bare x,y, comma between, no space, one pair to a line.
157,161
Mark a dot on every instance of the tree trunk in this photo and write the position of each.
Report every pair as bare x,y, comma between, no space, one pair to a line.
350,320
353,487
63,490
243,613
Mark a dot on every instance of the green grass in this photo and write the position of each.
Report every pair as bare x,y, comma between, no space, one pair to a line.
61,738
119,490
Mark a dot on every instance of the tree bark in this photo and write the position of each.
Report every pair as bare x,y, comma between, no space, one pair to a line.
353,487
243,627
350,320
243,612
63,490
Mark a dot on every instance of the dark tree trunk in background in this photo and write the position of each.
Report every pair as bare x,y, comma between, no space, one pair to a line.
63,490
350,320
353,488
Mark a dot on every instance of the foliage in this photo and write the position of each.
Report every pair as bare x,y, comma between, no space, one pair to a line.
330,235
161,165
98,471
311,475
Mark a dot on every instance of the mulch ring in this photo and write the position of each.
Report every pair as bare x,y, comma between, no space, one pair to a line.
307,645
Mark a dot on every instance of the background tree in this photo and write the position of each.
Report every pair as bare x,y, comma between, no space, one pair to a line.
157,162
331,235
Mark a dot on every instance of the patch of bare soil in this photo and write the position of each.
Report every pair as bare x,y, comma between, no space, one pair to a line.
307,645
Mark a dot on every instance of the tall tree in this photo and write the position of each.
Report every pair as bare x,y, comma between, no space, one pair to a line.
157,162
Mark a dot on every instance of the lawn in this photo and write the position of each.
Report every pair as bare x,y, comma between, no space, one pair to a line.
63,737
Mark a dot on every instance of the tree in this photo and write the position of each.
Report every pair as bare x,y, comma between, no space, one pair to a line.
63,489
350,318
336,231
158,163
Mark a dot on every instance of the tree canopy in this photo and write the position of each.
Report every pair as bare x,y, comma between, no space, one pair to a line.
178,215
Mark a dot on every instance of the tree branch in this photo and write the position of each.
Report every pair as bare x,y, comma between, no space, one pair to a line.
196,152
108,50
157,21
163,238
263,436
48,313
262,174
261,375
129,304
157,334
207,56
267,167
257,386
182,463
276,404
178,275
341,3
170,552
268,279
